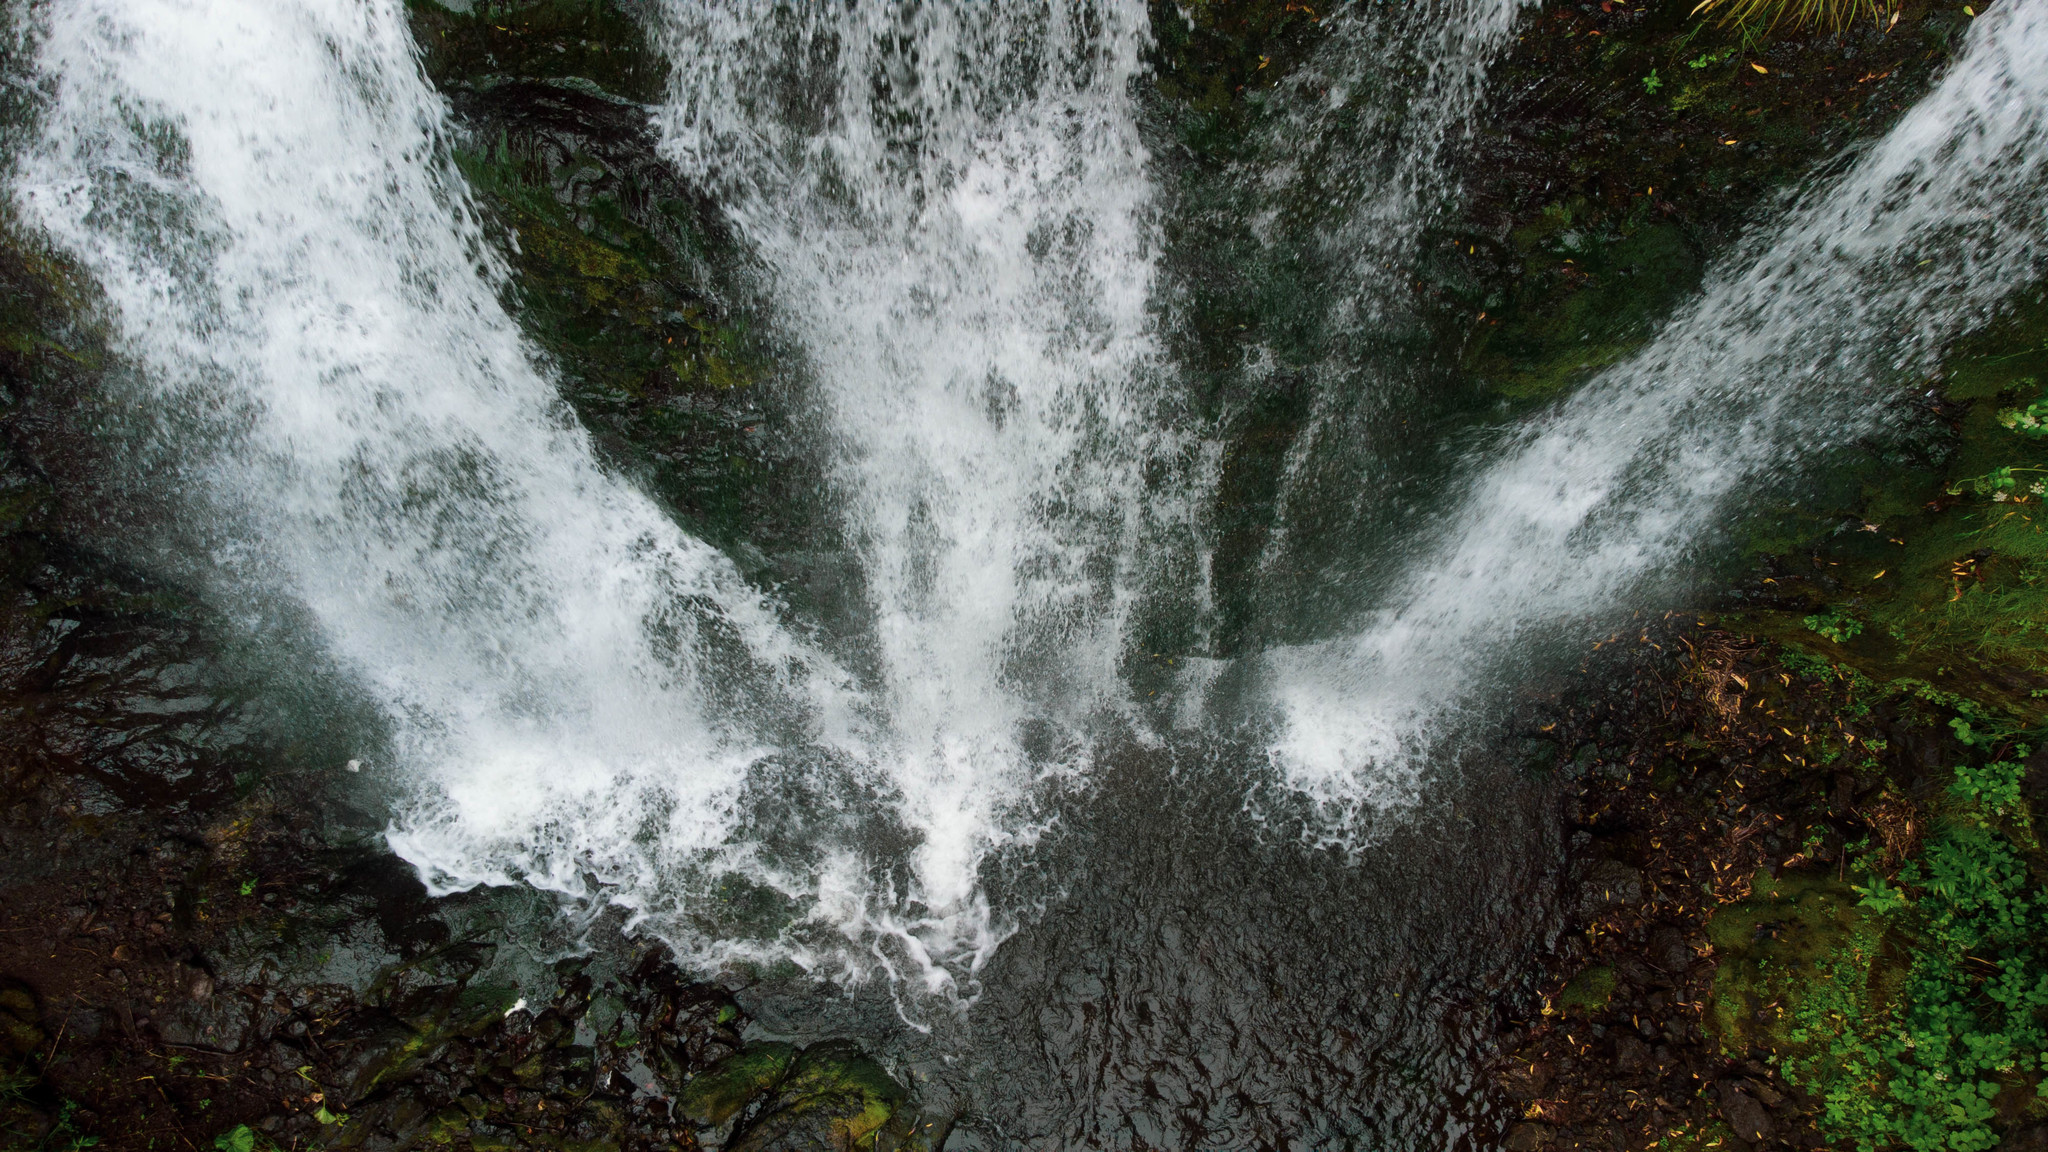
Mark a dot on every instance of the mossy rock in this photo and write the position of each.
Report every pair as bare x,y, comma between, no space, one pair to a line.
1587,993
717,1094
768,1093
1582,312
563,40
858,1093
627,280
1797,945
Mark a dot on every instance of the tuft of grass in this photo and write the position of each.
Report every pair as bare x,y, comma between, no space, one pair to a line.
1770,15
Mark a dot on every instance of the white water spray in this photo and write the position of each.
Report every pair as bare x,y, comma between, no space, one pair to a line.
263,191
951,205
954,217
1787,349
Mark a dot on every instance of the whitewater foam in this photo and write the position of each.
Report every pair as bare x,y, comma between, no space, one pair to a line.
952,209
577,691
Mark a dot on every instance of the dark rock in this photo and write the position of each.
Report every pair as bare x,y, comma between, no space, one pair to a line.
218,1023
1669,951
2031,1138
1610,882
1632,1056
84,1023
1525,1081
1528,1136
1748,1118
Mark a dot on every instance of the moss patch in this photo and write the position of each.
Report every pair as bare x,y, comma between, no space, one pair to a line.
1795,947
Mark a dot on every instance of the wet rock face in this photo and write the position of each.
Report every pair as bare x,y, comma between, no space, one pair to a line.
629,282
1624,146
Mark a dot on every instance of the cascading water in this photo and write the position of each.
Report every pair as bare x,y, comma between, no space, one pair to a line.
953,213
951,205
1791,346
576,688
582,697
1351,163
1358,151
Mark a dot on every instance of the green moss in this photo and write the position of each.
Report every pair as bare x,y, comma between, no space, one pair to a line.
1588,298
767,1091
1913,1007
1928,542
717,1094
1595,215
838,1078
1795,943
1586,993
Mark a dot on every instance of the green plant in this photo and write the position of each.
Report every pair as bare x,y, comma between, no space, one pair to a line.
2029,421
1919,1068
1808,667
1651,83
1836,626
1879,896
61,1136
1994,787
1999,484
1708,59
241,1138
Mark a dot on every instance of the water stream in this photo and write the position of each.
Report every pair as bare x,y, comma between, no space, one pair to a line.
1791,347
1075,909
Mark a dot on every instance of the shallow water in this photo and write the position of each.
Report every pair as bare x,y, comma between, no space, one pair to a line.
1197,976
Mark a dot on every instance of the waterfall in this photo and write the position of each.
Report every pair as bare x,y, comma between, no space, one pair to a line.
1791,346
582,697
951,208
262,190
955,219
